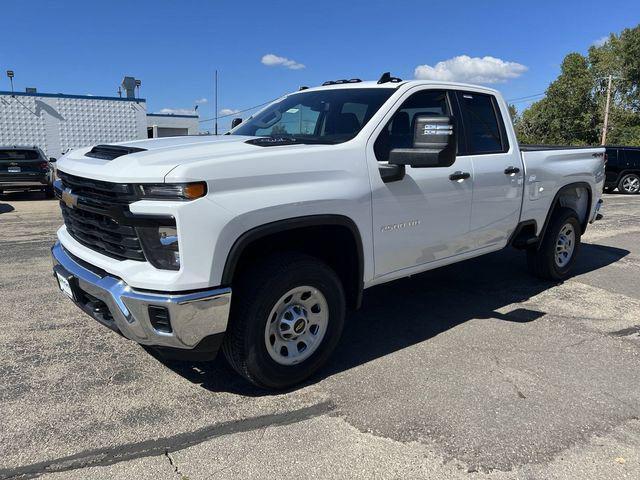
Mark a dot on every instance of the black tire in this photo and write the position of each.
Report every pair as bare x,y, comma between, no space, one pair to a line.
635,190
541,258
254,296
49,192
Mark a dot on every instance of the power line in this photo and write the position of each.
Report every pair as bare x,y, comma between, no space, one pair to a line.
525,98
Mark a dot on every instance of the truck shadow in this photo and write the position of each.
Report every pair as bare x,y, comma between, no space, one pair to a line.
413,310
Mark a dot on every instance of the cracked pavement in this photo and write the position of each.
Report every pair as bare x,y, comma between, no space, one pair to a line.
475,370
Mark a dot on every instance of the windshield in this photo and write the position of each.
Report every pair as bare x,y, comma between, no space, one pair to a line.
325,116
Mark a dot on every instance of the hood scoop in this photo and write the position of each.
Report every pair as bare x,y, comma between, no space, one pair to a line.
109,152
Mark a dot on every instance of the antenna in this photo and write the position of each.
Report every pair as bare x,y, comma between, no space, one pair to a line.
387,78
216,102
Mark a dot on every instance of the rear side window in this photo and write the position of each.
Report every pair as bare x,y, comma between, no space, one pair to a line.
19,155
483,123
632,157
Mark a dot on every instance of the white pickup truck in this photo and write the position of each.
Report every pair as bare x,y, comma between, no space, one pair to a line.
259,241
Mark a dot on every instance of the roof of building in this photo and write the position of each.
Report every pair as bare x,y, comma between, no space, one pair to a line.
65,95
172,115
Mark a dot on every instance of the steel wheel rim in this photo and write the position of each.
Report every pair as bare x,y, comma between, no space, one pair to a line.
296,325
631,184
565,245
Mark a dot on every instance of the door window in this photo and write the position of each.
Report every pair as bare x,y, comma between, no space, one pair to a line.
398,133
483,123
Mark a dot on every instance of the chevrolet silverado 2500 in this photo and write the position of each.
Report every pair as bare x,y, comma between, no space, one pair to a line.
260,240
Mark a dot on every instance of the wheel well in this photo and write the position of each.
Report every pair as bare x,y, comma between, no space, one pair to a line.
337,244
576,196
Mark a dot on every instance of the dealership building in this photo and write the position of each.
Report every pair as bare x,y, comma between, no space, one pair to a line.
57,122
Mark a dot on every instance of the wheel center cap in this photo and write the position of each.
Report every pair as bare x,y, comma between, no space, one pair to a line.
298,327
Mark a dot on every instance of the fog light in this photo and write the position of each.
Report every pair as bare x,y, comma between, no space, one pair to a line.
160,246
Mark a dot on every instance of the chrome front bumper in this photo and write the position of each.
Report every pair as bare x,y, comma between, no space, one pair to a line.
109,300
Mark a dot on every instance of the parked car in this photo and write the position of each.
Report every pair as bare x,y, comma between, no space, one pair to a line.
623,170
25,169
260,240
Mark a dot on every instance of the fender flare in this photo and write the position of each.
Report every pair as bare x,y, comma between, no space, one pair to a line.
278,226
555,201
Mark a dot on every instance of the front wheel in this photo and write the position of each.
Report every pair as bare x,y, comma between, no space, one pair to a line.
629,184
553,259
286,319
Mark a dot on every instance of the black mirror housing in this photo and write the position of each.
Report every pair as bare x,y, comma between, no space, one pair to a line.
53,160
235,122
434,144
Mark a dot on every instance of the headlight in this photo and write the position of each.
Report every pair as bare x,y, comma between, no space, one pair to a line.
172,191
160,246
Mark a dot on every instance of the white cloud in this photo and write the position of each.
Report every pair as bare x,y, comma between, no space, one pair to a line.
271,60
177,111
467,69
601,41
228,111
201,101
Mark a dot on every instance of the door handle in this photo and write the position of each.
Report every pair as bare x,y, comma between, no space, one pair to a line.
459,176
511,170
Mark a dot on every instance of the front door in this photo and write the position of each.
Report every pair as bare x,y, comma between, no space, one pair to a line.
424,217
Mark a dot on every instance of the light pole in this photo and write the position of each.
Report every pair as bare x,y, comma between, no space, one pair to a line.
10,76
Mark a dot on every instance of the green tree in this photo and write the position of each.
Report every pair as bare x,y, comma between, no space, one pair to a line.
567,113
572,111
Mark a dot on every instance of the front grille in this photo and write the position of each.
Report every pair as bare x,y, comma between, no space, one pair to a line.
103,234
94,220
97,191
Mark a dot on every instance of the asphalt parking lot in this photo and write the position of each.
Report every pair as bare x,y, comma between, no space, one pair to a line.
472,371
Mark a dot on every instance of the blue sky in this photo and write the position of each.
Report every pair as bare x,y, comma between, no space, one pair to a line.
85,47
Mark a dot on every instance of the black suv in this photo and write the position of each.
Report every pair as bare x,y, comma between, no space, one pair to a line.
623,170
25,169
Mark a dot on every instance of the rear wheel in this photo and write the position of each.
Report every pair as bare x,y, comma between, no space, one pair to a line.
286,319
629,184
553,259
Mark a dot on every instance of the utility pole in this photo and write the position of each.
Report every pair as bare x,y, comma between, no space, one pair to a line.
216,102
606,113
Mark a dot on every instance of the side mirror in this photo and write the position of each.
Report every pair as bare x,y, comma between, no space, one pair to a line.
434,144
235,122
52,160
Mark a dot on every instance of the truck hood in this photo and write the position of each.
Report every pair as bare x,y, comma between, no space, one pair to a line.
159,157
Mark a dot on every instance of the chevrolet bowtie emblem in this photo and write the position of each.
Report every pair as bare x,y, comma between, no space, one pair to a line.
70,199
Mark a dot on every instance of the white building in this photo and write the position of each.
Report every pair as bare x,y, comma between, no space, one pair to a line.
168,125
56,122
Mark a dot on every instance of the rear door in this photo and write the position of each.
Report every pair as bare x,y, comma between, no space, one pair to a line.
614,162
498,171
